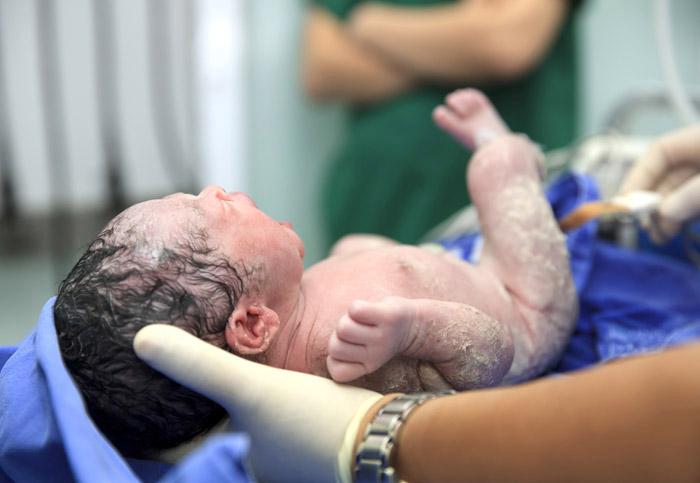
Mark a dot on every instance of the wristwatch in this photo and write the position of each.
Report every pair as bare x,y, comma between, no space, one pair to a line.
374,454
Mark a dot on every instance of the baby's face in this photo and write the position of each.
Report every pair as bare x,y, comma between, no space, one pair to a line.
234,226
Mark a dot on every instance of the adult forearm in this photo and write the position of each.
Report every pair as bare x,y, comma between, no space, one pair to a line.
337,67
464,42
634,420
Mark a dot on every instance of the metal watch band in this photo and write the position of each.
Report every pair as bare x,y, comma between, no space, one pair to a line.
374,454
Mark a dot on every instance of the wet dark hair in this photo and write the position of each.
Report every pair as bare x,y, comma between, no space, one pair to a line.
118,286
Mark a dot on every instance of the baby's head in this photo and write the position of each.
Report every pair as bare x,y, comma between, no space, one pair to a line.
209,264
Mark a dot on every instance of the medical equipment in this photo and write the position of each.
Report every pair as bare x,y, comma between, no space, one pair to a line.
637,204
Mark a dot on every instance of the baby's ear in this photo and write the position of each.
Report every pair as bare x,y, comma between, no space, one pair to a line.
251,328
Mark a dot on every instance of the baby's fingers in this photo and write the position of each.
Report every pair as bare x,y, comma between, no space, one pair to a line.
387,311
346,351
354,332
343,371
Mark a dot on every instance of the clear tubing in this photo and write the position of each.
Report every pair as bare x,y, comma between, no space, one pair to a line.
684,107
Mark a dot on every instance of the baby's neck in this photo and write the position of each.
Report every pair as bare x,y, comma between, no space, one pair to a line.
292,339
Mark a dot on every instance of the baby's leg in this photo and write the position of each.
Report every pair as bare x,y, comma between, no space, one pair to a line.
470,118
523,245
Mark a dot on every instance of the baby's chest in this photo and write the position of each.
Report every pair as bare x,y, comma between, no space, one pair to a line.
406,272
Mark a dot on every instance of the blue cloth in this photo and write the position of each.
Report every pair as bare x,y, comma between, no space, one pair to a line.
46,434
630,301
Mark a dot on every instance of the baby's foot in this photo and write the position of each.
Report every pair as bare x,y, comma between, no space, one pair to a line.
470,118
368,336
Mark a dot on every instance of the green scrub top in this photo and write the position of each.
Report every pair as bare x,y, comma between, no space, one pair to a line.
398,175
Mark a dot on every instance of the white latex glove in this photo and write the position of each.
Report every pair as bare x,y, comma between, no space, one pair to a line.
671,167
302,427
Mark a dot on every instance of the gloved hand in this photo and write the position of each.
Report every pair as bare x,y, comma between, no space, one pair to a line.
302,427
671,167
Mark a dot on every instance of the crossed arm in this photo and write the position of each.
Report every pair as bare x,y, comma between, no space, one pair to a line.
337,66
385,50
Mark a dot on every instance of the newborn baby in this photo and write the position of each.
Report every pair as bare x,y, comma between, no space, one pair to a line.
413,319
377,314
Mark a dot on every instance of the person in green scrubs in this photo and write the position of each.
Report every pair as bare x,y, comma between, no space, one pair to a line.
395,173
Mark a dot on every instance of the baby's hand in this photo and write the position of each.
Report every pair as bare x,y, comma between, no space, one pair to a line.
369,335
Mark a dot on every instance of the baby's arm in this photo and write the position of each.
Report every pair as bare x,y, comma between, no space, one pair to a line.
467,347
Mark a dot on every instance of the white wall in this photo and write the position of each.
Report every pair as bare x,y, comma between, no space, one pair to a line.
619,53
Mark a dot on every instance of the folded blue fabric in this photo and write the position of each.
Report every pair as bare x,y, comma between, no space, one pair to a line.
633,302
47,435
630,301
